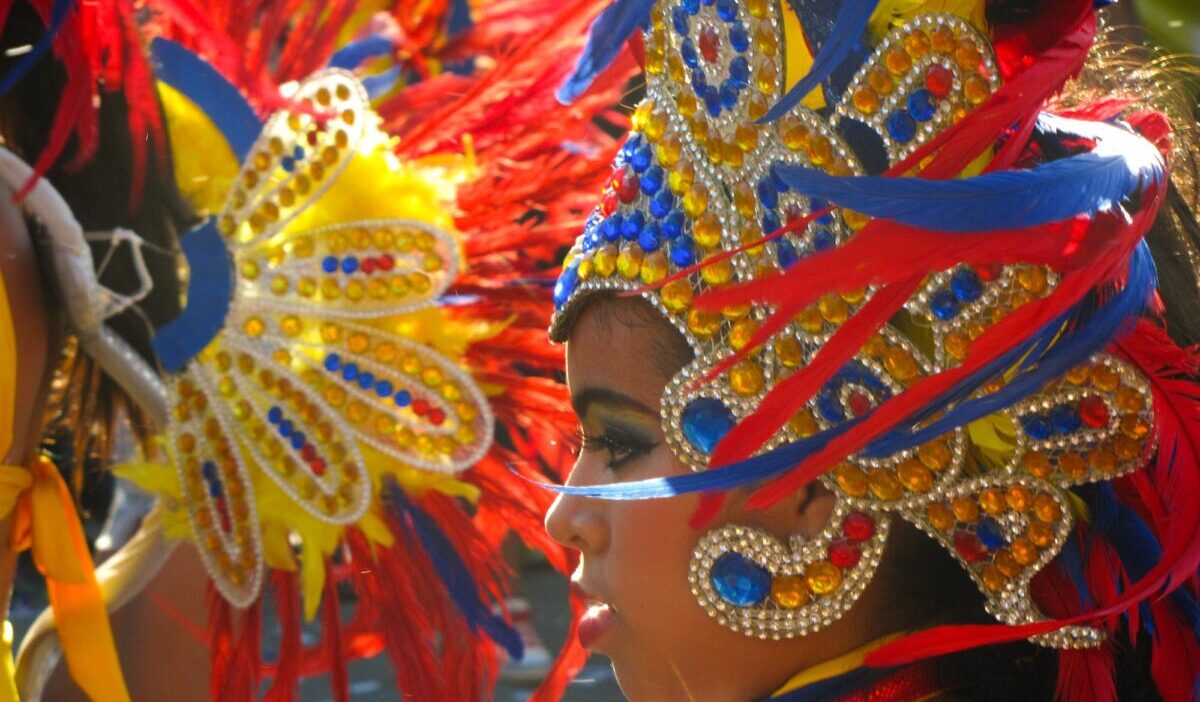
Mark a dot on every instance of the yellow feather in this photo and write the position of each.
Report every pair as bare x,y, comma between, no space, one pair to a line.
890,14
206,169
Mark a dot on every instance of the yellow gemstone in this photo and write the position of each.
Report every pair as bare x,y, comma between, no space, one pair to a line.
766,40
917,44
255,327
355,290
1134,427
1105,378
788,352
604,262
993,501
654,267
668,150
758,8
940,516
968,56
1129,400
794,134
740,333
915,476
717,273
966,510
956,344
735,312
746,137
250,270
767,77
822,577
656,125
704,323
699,129
756,107
885,485
1020,498
1032,279
681,177
746,378
358,342
833,308
695,202
898,61
942,40
788,591
1079,374
899,362
687,104
279,284
291,325
330,290
851,479
1072,465
804,425
707,231
881,81
641,115
677,295
1046,508
811,320
744,200
935,455
992,578
976,90
866,100
819,151
629,262
1102,459
855,220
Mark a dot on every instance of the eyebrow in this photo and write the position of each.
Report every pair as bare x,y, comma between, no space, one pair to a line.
611,398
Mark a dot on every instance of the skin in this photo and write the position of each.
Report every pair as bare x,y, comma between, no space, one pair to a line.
635,554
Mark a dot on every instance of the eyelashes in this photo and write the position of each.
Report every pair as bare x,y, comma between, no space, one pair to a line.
621,447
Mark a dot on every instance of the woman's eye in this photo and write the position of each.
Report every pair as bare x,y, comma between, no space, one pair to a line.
620,450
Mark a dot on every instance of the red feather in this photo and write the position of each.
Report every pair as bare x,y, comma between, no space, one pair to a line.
286,672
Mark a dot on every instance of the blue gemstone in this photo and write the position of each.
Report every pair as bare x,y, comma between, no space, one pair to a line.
329,264
944,305
965,285
920,105
729,94
739,581
349,264
631,144
712,101
738,39
298,153
830,406
705,422
688,53
285,428
739,71
350,371
652,180
649,239
816,205
823,239
901,127
662,204
610,229
1037,427
214,489
298,440
366,380
770,223
332,362
1065,419
403,398
632,226
679,20
383,388
990,534
785,253
209,470
690,6
274,415
288,163
767,194
640,160
565,285
683,252
699,82
727,10
589,242
672,226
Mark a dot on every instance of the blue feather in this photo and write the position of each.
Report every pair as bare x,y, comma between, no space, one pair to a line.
453,573
845,36
353,55
1121,164
58,14
605,39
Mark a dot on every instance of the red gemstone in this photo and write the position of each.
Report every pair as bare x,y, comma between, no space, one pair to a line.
858,526
844,554
420,407
938,81
860,403
386,262
627,189
988,272
368,265
437,416
318,466
793,212
223,514
969,547
308,453
710,44
1094,412
608,203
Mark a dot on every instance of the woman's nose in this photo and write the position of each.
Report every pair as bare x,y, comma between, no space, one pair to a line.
578,523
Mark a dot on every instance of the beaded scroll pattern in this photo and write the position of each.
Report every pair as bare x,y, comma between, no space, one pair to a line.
695,178
302,380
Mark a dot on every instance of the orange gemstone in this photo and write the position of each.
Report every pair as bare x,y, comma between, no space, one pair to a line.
915,476
1127,448
1046,508
823,577
1105,378
935,455
851,479
1042,535
940,516
789,591
881,81
966,509
805,425
885,485
866,100
1102,459
1023,551
897,61
1019,498
1072,465
1129,400
992,578
993,501
1007,564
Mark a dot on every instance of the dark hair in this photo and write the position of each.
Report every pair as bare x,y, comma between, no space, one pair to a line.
83,401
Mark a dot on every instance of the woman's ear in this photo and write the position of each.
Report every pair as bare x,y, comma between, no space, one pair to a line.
805,512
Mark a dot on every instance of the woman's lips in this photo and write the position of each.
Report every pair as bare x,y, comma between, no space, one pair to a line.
598,619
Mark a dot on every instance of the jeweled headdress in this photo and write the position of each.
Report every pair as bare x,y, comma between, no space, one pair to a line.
904,274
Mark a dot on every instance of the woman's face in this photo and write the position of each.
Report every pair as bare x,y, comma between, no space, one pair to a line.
635,554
